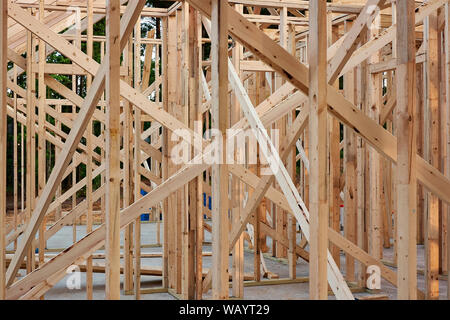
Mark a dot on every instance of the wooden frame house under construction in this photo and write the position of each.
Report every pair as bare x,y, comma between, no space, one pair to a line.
339,109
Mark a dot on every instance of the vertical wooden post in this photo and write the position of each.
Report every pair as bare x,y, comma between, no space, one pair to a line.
334,156
164,164
360,175
15,163
373,94
194,249
89,133
41,133
432,221
236,200
75,88
187,247
181,194
281,215
406,149
219,107
137,160
420,108
443,141
318,201
197,125
128,171
32,94
447,126
112,244
29,142
170,215
392,169
3,141
350,190
292,169
103,136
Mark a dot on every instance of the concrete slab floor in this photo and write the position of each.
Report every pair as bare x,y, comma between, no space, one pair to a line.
294,291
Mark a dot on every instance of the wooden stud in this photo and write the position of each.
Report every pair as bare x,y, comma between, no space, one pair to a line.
42,91
89,190
432,217
164,164
447,124
292,166
29,146
137,161
334,158
373,103
128,190
219,187
236,196
112,245
318,201
350,193
406,136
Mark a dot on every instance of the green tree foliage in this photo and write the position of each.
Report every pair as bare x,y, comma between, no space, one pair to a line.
99,29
